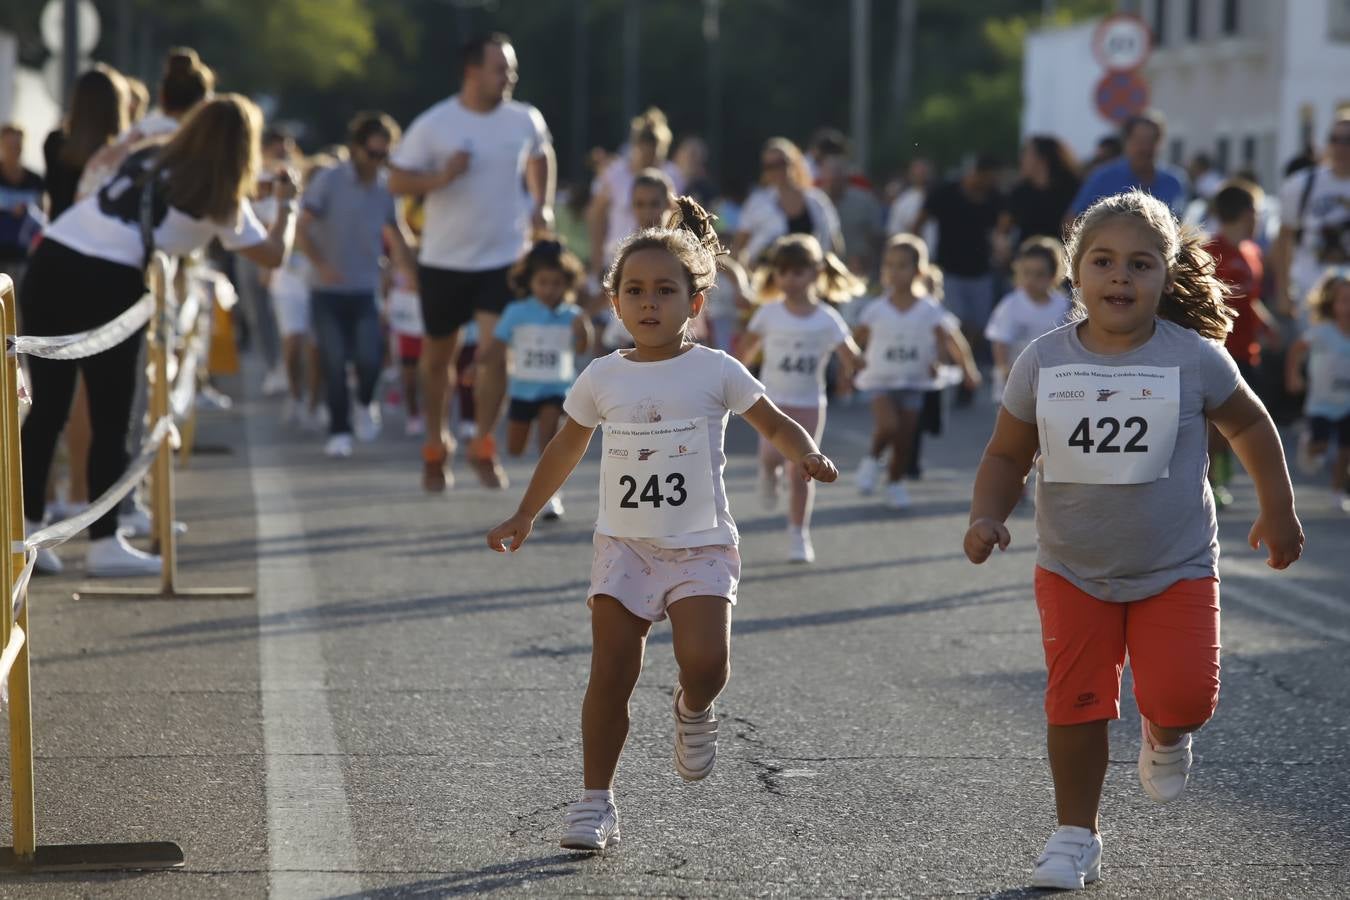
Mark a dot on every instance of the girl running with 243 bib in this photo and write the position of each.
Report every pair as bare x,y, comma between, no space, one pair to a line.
798,334
665,542
1117,403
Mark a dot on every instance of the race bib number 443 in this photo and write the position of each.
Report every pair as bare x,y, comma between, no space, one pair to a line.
656,479
1108,425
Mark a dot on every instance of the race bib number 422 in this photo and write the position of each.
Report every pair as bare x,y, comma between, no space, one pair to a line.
1107,425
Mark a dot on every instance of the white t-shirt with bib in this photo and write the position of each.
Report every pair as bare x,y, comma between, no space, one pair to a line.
902,347
796,351
481,220
699,384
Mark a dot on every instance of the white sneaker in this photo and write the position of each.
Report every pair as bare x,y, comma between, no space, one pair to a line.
799,546
1309,463
553,509
138,523
467,431
113,557
1345,505
897,495
590,825
768,488
869,473
368,420
290,411
1163,771
48,563
212,398
339,446
414,427
310,420
275,382
1072,859
60,510
695,742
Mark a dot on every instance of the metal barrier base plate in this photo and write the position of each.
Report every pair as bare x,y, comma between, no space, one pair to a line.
95,858
177,593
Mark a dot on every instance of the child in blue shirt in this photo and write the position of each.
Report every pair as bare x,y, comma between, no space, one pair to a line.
542,333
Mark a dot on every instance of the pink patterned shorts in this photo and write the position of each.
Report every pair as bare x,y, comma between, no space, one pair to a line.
646,579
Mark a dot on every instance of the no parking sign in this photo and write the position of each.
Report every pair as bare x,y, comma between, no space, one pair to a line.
1122,44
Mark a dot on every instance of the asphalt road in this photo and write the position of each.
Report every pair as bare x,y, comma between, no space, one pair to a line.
396,713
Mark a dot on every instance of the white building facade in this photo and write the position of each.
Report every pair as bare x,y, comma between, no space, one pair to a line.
1249,82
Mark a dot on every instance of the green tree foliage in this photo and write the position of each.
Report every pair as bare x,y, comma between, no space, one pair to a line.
785,65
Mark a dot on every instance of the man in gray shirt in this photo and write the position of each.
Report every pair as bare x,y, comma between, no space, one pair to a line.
347,218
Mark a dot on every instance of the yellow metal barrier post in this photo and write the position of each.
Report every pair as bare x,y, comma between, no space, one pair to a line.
161,333
25,855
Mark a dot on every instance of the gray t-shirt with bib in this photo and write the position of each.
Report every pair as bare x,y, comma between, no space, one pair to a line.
1125,542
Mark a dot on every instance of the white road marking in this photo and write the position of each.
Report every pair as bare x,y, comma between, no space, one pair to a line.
311,853
1240,577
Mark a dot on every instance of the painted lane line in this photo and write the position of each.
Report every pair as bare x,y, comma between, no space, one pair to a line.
311,852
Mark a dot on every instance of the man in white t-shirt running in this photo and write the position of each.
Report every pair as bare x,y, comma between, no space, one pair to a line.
1315,222
486,166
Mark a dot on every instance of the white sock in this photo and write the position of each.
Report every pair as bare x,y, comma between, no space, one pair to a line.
686,711
606,795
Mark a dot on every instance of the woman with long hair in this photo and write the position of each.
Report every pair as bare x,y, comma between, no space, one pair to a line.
1039,203
90,268
785,203
98,114
610,215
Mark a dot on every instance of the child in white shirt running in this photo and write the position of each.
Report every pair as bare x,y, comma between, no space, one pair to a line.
665,542
1118,404
798,333
1326,348
906,335
1035,307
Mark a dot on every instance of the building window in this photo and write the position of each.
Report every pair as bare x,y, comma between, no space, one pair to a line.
1338,20
1177,153
1223,154
1159,19
1193,20
1232,18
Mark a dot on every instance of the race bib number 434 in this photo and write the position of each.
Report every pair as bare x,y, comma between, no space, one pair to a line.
656,479
1108,425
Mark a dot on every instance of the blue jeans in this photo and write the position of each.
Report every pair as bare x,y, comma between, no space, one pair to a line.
347,327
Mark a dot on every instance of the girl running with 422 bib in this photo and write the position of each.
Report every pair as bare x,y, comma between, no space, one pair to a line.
665,542
798,333
906,333
544,333
1117,402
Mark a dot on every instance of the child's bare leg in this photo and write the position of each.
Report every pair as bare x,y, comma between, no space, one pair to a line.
902,443
701,628
1339,473
618,640
884,424
546,426
802,493
1078,757
517,436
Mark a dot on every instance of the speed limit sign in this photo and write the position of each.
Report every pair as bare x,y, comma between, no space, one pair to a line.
1122,42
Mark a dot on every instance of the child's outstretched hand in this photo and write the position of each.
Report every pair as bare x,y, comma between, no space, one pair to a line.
817,466
1283,536
517,528
981,538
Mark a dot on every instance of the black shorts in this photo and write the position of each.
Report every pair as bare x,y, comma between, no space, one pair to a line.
528,410
451,297
1320,430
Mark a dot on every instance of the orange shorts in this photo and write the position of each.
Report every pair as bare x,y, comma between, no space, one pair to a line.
1172,640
